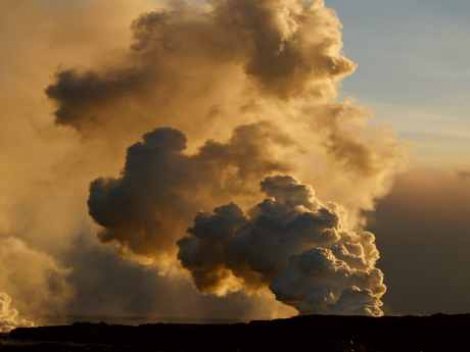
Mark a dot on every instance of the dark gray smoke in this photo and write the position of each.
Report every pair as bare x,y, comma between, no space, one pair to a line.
292,243
162,187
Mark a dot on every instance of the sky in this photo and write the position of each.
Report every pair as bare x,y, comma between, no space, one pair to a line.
413,71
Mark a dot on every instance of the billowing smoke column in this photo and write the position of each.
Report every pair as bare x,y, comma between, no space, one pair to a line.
291,243
249,89
232,64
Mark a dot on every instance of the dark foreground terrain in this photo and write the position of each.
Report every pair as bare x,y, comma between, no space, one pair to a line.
309,333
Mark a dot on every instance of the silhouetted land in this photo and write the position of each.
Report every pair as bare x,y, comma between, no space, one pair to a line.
309,333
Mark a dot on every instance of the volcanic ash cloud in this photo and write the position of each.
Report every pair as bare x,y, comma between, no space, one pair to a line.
292,243
250,89
263,77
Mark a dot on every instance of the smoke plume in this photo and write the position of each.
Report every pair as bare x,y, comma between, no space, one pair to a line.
227,65
222,94
292,243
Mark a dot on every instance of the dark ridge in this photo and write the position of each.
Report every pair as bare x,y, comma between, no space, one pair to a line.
443,333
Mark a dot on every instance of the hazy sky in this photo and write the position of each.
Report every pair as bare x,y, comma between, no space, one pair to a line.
413,70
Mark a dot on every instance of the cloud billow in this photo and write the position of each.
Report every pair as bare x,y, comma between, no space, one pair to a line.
161,186
291,243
